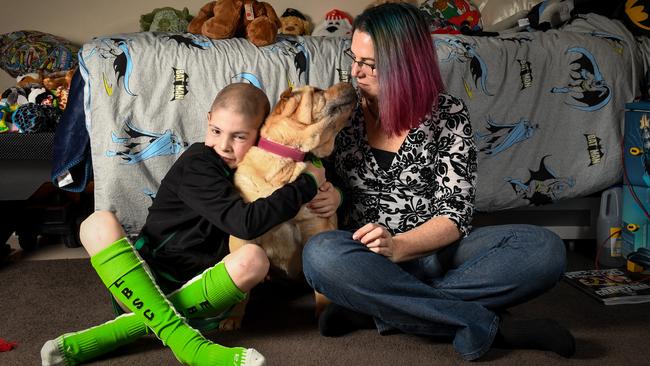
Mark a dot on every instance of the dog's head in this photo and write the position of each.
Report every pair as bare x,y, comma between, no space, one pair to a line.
309,118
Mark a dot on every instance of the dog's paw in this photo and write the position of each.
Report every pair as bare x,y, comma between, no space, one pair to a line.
231,323
234,320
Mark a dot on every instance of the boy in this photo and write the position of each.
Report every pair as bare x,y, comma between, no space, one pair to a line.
185,243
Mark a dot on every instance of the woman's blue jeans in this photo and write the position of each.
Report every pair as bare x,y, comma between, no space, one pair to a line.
453,292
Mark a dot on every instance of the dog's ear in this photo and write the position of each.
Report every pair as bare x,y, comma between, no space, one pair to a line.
304,109
287,103
286,94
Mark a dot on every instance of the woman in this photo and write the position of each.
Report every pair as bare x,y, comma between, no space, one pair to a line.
407,166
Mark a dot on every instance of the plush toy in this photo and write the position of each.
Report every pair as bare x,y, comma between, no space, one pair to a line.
166,19
3,123
39,96
336,23
452,17
34,79
61,94
31,118
251,19
294,23
4,116
14,96
62,78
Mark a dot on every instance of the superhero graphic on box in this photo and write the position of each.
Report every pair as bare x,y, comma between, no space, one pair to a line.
637,148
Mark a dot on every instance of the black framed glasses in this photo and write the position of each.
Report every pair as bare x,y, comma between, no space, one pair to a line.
368,68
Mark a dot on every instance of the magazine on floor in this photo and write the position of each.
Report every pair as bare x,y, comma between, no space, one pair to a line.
610,286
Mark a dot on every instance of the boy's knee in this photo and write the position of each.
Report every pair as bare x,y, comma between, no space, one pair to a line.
99,230
247,266
255,259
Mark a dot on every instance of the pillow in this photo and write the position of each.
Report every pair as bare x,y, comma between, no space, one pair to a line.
24,52
495,11
452,16
635,16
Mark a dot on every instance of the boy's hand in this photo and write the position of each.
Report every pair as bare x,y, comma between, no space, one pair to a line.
326,201
318,172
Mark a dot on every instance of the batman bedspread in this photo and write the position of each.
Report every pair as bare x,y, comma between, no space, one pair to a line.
546,108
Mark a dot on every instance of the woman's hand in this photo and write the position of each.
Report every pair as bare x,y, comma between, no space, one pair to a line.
376,238
326,202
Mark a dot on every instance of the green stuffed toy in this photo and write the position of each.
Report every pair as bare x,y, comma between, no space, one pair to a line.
166,19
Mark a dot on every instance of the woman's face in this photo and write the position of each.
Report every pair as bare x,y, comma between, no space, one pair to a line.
363,68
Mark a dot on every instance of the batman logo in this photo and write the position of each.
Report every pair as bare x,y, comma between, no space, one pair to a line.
636,12
180,84
594,149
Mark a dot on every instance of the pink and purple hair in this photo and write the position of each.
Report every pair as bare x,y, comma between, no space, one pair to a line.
407,65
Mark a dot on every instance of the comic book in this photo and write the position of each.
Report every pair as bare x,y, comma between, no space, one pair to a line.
610,286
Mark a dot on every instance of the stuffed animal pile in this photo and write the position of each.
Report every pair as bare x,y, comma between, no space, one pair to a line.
251,19
36,103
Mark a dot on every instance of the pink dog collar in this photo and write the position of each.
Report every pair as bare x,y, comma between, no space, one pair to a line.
282,150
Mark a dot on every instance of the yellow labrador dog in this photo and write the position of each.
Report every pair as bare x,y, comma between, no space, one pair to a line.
305,120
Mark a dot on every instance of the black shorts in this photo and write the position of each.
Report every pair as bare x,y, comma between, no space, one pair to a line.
173,269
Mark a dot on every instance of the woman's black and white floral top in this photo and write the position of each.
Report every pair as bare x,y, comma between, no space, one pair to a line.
433,173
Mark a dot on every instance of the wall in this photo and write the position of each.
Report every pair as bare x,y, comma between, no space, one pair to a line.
80,21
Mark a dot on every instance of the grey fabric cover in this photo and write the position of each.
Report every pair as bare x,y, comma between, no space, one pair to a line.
546,107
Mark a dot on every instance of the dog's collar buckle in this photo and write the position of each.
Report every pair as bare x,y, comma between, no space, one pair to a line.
282,150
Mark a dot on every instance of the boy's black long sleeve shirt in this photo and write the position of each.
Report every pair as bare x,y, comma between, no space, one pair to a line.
197,207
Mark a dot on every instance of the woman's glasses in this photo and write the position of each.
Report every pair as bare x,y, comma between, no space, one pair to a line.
363,65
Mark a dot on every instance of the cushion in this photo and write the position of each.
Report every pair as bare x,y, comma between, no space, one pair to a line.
452,16
635,16
24,52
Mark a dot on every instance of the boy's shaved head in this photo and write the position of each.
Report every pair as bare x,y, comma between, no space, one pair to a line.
244,99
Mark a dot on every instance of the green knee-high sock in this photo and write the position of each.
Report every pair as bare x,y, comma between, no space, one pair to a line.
206,295
79,347
127,278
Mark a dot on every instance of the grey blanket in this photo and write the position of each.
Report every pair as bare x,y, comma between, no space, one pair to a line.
546,108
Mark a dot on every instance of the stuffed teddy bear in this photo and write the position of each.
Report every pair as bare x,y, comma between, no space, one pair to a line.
336,23
294,23
222,19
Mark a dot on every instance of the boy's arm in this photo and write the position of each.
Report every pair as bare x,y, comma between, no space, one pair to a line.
337,182
210,193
